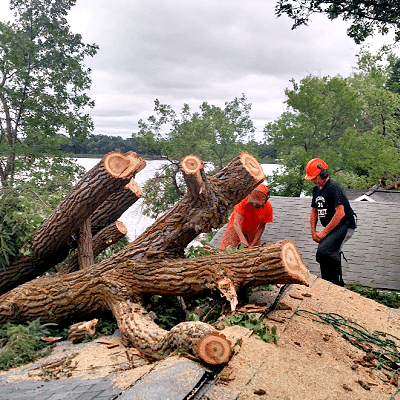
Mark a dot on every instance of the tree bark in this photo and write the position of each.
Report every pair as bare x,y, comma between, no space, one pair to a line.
119,288
104,239
112,173
85,245
57,237
114,206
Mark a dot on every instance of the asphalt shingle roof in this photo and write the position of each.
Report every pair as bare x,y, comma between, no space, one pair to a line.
373,253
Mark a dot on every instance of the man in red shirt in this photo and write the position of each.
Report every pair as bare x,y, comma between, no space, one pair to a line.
247,222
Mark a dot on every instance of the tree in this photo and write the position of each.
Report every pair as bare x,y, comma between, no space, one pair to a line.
352,123
42,84
366,16
213,133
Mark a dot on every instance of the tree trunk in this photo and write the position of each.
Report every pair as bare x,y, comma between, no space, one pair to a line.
119,288
105,238
57,237
114,206
109,175
85,245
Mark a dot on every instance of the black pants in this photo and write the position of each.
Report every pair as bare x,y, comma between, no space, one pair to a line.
329,257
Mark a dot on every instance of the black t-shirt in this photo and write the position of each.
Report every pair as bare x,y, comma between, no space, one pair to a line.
325,200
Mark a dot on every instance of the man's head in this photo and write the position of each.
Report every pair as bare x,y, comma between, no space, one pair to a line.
316,168
259,196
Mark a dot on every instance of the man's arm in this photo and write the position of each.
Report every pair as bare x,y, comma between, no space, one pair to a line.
258,234
333,223
238,228
313,223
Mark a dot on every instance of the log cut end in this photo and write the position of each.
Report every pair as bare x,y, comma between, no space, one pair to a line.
214,348
121,227
121,165
134,188
191,164
293,262
253,166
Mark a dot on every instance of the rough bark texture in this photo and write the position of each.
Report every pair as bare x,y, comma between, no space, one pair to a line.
85,245
56,298
109,175
57,237
104,239
120,288
114,206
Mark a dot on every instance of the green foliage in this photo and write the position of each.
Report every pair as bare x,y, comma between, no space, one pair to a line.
352,123
389,299
210,308
213,133
22,343
168,311
23,209
100,145
197,251
266,333
366,16
43,84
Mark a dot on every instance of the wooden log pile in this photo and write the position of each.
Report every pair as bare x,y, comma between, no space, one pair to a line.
153,264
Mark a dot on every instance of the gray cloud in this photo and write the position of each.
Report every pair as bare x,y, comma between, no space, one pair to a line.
190,51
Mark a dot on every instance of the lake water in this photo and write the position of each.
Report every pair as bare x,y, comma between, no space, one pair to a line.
133,218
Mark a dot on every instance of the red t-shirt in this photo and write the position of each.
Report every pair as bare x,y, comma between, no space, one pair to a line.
252,216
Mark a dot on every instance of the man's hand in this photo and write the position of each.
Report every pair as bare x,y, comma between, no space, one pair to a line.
318,236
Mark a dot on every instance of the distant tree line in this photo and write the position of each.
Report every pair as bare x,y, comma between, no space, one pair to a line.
102,144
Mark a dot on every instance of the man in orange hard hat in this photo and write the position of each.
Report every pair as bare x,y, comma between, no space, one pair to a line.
331,206
247,222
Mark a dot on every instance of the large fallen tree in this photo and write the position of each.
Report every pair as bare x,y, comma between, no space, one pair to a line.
154,264
103,195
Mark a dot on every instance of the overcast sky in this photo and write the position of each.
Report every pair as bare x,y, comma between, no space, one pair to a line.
191,51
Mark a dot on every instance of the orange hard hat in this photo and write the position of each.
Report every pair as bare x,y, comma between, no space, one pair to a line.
259,195
313,168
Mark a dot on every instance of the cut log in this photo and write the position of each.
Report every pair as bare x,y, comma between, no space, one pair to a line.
85,245
192,166
214,348
79,330
55,239
108,176
114,206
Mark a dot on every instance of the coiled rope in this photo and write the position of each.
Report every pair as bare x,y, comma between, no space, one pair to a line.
382,345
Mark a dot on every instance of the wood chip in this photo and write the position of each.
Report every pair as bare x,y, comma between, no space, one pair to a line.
295,296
